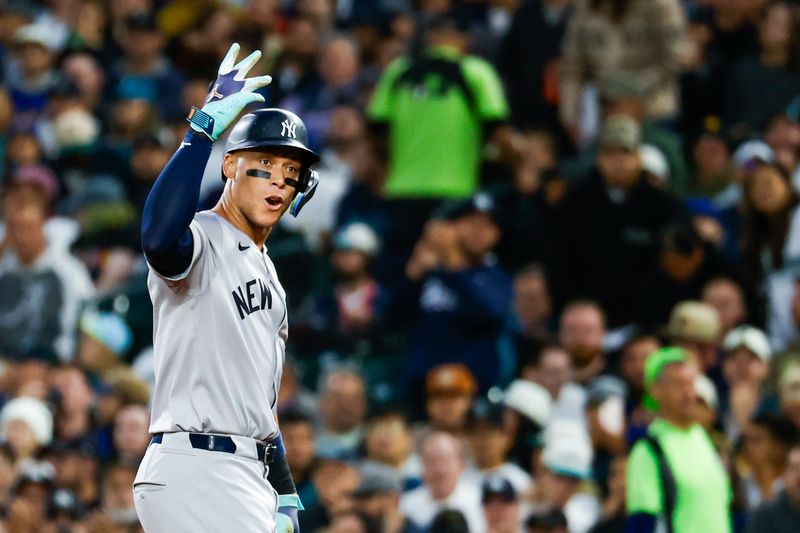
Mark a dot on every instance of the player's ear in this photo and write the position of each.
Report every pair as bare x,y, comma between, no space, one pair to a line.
229,166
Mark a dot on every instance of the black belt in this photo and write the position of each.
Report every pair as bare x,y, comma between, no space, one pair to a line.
223,443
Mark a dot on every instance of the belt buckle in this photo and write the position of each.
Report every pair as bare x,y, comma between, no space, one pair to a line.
269,453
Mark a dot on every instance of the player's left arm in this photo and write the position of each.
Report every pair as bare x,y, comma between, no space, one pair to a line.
280,477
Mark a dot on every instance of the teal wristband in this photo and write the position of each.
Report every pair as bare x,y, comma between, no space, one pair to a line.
290,500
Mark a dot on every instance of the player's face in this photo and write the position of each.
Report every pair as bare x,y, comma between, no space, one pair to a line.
262,198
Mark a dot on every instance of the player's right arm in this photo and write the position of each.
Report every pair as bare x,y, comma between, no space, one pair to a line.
169,209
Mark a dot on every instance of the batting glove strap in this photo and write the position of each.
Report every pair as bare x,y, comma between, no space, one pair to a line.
201,121
290,500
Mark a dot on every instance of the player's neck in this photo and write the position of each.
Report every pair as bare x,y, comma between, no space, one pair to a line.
239,221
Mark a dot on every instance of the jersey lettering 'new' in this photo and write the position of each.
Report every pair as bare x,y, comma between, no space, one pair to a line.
219,334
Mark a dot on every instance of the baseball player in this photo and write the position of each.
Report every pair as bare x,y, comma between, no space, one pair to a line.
216,461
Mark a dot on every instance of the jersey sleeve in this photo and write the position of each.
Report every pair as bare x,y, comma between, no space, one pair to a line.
198,274
643,493
487,90
380,107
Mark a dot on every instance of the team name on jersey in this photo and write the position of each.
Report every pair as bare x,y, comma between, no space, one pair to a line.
255,296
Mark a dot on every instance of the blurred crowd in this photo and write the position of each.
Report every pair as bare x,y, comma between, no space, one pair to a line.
521,202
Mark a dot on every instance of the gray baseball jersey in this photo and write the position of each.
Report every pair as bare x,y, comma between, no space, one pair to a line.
219,336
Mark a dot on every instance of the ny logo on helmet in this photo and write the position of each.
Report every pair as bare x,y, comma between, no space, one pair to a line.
287,128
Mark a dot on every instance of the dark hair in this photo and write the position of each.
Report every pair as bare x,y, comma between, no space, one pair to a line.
618,8
779,428
449,521
762,230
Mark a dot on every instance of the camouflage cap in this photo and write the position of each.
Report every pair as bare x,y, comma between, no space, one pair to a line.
620,131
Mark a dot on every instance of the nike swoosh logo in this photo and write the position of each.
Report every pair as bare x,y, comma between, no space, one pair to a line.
242,248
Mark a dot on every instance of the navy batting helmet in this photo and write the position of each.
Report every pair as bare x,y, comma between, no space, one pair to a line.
265,128
271,127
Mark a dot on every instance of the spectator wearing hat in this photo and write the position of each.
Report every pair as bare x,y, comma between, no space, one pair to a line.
42,286
464,295
529,408
699,495
501,506
77,469
782,514
35,77
490,441
745,367
357,305
603,261
766,442
443,486
694,326
661,151
104,341
605,415
449,392
378,498
342,409
26,425
567,467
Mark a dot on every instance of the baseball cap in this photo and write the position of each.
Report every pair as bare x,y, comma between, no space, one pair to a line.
498,487
655,363
603,387
706,391
751,151
108,329
38,176
452,379
377,478
36,33
568,449
751,338
358,237
480,202
530,399
693,321
620,131
620,86
487,412
654,161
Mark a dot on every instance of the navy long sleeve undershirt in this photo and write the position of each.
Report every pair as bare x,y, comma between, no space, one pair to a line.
170,207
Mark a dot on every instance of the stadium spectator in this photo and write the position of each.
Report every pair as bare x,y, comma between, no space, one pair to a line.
695,327
449,392
389,441
26,426
604,38
676,442
489,439
501,506
583,328
726,296
342,409
297,431
131,436
464,296
782,514
378,498
43,285
443,485
625,247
